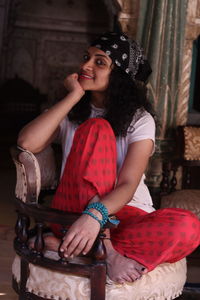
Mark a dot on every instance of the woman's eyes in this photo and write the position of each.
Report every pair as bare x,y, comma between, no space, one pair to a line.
98,61
85,57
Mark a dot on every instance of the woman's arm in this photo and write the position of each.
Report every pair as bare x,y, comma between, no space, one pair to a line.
40,132
83,232
133,168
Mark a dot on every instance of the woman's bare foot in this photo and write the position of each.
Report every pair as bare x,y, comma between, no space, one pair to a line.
51,243
120,268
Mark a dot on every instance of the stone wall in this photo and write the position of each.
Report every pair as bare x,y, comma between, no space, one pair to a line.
43,41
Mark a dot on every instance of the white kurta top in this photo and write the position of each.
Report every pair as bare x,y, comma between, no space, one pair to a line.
142,127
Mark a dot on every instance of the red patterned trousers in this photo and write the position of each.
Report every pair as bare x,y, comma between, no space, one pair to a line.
165,235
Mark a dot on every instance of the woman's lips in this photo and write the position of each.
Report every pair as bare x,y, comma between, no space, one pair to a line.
85,76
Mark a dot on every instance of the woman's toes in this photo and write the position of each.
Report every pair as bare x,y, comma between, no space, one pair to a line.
134,276
121,281
140,268
127,278
144,270
52,243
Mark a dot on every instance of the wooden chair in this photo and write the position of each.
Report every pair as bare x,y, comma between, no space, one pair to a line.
184,192
187,196
28,207
40,274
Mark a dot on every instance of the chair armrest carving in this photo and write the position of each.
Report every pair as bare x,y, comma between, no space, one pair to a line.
21,182
34,172
28,175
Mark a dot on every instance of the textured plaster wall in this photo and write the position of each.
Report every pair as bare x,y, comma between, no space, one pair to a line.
43,41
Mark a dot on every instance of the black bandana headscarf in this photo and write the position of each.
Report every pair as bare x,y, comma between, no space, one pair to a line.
125,54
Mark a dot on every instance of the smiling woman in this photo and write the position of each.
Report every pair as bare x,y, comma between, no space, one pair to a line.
95,70
107,130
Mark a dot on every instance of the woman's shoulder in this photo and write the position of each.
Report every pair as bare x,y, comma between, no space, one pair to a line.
141,127
142,117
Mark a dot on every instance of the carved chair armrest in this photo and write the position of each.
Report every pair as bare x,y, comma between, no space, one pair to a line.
35,172
42,216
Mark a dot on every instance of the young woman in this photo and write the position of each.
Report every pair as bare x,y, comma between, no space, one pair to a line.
107,131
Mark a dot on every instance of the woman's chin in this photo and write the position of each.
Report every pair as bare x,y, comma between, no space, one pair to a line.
84,85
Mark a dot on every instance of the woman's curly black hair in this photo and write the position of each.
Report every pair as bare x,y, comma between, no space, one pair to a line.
124,97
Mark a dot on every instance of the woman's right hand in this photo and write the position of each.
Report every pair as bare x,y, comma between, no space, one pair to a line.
73,86
40,132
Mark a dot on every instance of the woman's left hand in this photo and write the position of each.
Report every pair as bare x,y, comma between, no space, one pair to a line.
80,236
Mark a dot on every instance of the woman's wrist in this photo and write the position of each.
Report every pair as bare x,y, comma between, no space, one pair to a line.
96,213
76,95
100,208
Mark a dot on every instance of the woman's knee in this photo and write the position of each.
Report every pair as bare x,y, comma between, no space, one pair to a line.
187,228
97,123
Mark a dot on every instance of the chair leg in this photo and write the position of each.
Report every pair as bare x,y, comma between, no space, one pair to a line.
98,282
23,278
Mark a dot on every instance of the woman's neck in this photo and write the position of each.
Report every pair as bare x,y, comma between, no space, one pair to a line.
97,99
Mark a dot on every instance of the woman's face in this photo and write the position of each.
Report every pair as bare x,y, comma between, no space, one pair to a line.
95,70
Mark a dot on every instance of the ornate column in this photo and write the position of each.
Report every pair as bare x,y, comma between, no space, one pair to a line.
191,34
128,16
162,38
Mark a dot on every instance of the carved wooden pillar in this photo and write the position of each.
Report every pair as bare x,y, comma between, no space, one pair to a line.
162,38
128,16
191,34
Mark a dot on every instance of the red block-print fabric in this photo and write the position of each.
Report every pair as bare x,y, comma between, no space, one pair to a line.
90,168
165,235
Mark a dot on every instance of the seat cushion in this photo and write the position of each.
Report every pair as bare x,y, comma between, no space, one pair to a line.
165,282
186,199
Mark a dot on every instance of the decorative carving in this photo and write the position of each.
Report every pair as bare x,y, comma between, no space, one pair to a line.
128,16
198,10
39,241
182,109
192,30
162,39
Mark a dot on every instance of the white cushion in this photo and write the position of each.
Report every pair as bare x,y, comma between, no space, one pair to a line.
165,282
185,199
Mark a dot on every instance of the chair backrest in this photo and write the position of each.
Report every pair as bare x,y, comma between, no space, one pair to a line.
187,156
191,144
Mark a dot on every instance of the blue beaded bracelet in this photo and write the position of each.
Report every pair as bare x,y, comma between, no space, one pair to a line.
93,216
101,208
